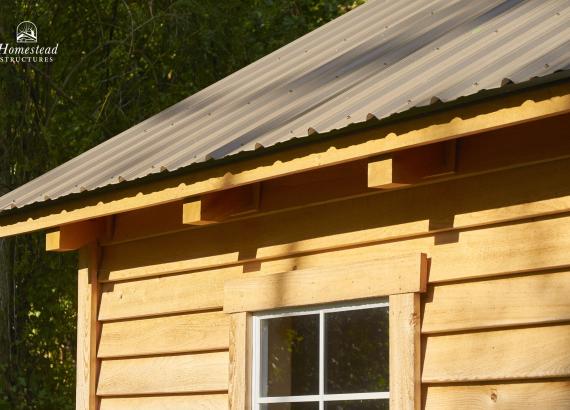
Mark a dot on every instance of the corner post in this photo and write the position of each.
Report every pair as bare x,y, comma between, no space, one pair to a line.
88,328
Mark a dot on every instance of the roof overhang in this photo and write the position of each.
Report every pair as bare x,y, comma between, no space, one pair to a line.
482,112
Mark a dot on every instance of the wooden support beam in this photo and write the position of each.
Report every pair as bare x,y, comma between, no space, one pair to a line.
218,206
487,115
413,165
240,361
88,329
75,236
405,352
375,278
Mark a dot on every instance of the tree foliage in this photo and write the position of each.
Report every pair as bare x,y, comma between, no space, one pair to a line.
118,62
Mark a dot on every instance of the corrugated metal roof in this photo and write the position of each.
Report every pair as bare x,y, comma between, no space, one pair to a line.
382,58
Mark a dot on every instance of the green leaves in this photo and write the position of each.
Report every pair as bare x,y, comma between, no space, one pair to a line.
118,63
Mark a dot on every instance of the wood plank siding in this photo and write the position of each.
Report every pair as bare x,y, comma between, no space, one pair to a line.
497,299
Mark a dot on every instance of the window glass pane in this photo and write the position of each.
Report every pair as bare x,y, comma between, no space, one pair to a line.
356,355
290,356
290,406
358,405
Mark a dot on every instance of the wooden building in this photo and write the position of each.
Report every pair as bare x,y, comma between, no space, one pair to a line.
417,260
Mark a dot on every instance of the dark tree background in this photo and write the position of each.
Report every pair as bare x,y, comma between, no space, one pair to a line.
119,61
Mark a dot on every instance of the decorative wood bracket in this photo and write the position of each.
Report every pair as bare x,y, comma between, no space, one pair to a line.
218,206
410,166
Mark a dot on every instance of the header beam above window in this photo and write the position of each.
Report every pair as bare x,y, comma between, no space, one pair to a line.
374,278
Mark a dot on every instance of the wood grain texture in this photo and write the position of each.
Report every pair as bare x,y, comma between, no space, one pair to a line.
380,277
188,402
240,361
168,334
413,165
221,205
513,147
441,126
514,300
405,352
192,373
74,236
169,294
511,354
366,221
491,251
551,395
87,329
519,247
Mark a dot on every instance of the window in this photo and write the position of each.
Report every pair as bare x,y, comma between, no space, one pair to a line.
330,358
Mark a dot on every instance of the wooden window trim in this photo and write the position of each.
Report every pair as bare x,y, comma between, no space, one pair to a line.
405,352
314,286
401,278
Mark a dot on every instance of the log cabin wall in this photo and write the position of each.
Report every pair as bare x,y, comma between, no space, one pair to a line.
495,320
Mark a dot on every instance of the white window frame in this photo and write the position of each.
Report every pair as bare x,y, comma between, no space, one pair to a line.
321,398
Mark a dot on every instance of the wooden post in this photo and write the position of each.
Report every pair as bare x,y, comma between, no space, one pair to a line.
87,328
405,353
240,361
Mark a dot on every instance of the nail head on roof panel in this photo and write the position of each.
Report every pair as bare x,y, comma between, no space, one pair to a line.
365,84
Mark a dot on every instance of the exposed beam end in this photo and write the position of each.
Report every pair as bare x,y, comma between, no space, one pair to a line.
413,165
193,213
219,206
71,237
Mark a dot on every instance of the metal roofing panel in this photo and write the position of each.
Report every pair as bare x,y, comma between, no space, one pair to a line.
382,58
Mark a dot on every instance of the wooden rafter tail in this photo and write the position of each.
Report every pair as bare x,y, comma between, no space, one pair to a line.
74,236
413,165
219,206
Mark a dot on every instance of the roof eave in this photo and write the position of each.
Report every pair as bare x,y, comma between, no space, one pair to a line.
489,109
